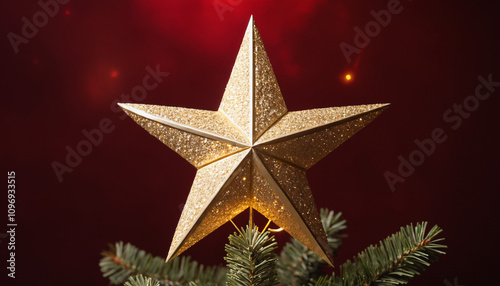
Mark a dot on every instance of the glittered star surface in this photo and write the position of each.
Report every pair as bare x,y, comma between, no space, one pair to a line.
252,152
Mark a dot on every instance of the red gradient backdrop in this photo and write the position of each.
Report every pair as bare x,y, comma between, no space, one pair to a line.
65,78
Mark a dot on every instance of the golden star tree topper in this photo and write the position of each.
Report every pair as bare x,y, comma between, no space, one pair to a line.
252,152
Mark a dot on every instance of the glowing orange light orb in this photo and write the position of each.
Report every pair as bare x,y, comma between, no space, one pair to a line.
348,77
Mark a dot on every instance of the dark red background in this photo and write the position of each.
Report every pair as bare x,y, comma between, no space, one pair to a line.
131,186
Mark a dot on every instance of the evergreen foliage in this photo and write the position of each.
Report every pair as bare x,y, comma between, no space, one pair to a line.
251,259
140,280
123,261
395,261
298,265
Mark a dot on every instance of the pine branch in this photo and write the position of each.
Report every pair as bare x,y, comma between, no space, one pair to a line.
251,259
140,280
298,264
123,261
395,261
333,227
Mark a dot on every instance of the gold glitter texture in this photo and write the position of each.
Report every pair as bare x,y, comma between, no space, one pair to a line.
304,137
268,103
205,120
207,207
286,190
252,152
197,150
236,103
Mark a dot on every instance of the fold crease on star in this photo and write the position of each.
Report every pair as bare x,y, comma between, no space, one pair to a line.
252,152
